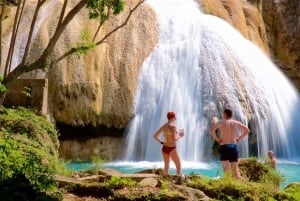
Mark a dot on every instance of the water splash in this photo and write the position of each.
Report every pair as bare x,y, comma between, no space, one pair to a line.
201,65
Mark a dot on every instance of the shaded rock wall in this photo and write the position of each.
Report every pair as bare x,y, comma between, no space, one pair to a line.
28,93
282,19
103,147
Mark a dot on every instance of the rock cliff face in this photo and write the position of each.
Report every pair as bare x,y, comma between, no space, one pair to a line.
99,88
282,19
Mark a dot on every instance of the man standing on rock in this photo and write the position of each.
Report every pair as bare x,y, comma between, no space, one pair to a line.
229,137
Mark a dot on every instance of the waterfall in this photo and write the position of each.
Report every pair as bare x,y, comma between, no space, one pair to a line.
201,65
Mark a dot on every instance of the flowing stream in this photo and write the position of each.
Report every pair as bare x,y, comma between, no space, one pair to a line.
201,65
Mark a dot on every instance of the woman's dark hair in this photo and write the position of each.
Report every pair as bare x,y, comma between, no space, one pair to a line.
228,112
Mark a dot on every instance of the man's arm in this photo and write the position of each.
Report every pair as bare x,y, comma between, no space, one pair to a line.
213,133
245,131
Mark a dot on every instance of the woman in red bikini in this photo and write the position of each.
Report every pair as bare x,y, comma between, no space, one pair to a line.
169,150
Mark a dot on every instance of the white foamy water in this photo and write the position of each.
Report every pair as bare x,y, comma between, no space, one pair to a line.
158,164
201,65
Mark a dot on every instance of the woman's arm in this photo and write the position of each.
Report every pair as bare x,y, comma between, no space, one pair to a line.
156,135
213,133
178,135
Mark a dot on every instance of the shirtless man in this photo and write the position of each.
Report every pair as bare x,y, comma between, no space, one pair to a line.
169,150
229,130
272,159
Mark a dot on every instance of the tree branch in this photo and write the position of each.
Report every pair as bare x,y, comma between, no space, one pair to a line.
1,19
73,50
11,46
62,13
61,27
36,12
46,55
121,25
101,23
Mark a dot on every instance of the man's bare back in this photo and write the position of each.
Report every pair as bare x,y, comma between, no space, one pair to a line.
229,130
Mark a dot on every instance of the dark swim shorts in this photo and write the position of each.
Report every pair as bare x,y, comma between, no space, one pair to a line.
228,152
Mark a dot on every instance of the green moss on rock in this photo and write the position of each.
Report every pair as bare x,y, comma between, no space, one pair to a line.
28,156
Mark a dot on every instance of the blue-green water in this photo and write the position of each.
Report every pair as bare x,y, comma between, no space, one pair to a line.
290,170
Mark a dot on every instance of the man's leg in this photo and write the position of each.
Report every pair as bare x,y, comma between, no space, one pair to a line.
235,169
226,166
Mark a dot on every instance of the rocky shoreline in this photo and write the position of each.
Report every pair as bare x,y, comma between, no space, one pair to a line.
109,184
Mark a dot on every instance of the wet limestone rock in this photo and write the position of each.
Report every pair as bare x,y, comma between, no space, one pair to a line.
99,88
245,16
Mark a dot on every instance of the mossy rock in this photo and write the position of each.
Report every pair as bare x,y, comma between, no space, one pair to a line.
90,189
294,190
28,155
252,169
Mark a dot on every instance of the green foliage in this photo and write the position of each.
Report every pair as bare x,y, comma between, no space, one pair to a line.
26,124
291,192
163,184
101,8
2,87
116,182
27,91
28,156
264,188
97,161
261,172
85,44
272,179
227,189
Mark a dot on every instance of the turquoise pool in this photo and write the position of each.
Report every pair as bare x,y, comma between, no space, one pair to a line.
290,170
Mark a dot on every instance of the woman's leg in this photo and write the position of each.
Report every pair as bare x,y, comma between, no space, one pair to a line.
167,163
175,157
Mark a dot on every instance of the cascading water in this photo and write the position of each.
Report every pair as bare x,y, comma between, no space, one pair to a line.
200,66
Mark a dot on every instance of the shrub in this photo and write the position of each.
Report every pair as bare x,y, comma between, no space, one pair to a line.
28,156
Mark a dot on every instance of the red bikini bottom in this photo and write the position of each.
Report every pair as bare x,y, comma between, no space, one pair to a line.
167,150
